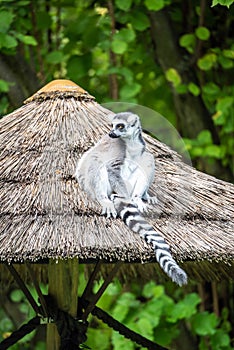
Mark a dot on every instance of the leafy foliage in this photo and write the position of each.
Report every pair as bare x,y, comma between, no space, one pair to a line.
152,313
7,325
108,48
227,3
88,42
148,310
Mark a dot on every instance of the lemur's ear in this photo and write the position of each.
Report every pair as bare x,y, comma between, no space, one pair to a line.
132,118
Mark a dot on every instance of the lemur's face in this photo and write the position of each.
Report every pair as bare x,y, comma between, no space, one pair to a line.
124,125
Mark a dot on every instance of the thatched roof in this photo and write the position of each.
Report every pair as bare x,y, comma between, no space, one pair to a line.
45,215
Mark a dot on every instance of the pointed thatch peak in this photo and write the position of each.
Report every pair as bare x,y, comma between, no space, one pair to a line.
44,214
60,87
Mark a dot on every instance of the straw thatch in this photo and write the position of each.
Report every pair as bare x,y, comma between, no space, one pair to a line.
45,215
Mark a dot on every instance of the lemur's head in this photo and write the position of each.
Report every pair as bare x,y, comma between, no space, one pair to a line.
125,125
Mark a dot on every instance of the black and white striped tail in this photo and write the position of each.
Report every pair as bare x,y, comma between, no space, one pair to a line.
132,218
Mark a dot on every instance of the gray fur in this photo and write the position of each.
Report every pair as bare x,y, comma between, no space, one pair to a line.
117,172
118,164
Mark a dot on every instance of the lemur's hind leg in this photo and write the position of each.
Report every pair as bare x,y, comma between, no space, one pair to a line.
117,184
103,191
107,183
150,199
140,180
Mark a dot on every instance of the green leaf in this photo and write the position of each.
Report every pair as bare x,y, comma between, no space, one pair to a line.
144,327
188,41
225,62
91,35
6,19
194,89
17,296
202,33
123,4
120,312
224,104
98,339
123,305
124,71
204,138
181,89
173,76
229,126
128,299
125,34
228,54
227,3
127,74
153,311
4,86
55,57
211,89
219,118
197,151
152,290
139,21
164,334
23,2
4,104
204,323
27,39
184,308
130,90
7,41
78,66
119,46
188,144
207,61
24,308
154,5
5,324
213,151
120,343
224,115
220,340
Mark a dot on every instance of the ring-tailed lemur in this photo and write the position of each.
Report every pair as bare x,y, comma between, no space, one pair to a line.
117,172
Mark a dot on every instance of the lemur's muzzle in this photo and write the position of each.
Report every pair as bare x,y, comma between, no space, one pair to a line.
113,135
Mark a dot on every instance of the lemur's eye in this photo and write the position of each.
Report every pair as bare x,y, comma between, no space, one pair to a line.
120,126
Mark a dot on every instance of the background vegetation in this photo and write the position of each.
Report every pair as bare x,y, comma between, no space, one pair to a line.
176,57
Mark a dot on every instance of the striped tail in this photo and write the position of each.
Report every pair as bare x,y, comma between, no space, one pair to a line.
132,218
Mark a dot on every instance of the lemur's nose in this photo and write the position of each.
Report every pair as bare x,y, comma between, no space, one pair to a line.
112,134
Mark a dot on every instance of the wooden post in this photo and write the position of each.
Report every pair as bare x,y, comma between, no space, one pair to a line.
63,286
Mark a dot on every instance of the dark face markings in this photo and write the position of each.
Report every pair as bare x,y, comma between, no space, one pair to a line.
120,126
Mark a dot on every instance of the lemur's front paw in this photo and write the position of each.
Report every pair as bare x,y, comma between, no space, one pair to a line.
108,208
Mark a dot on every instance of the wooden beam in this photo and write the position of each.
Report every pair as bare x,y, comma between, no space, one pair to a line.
63,287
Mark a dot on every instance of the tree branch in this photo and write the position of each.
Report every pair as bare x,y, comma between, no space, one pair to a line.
191,111
18,72
199,43
16,93
114,88
192,115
